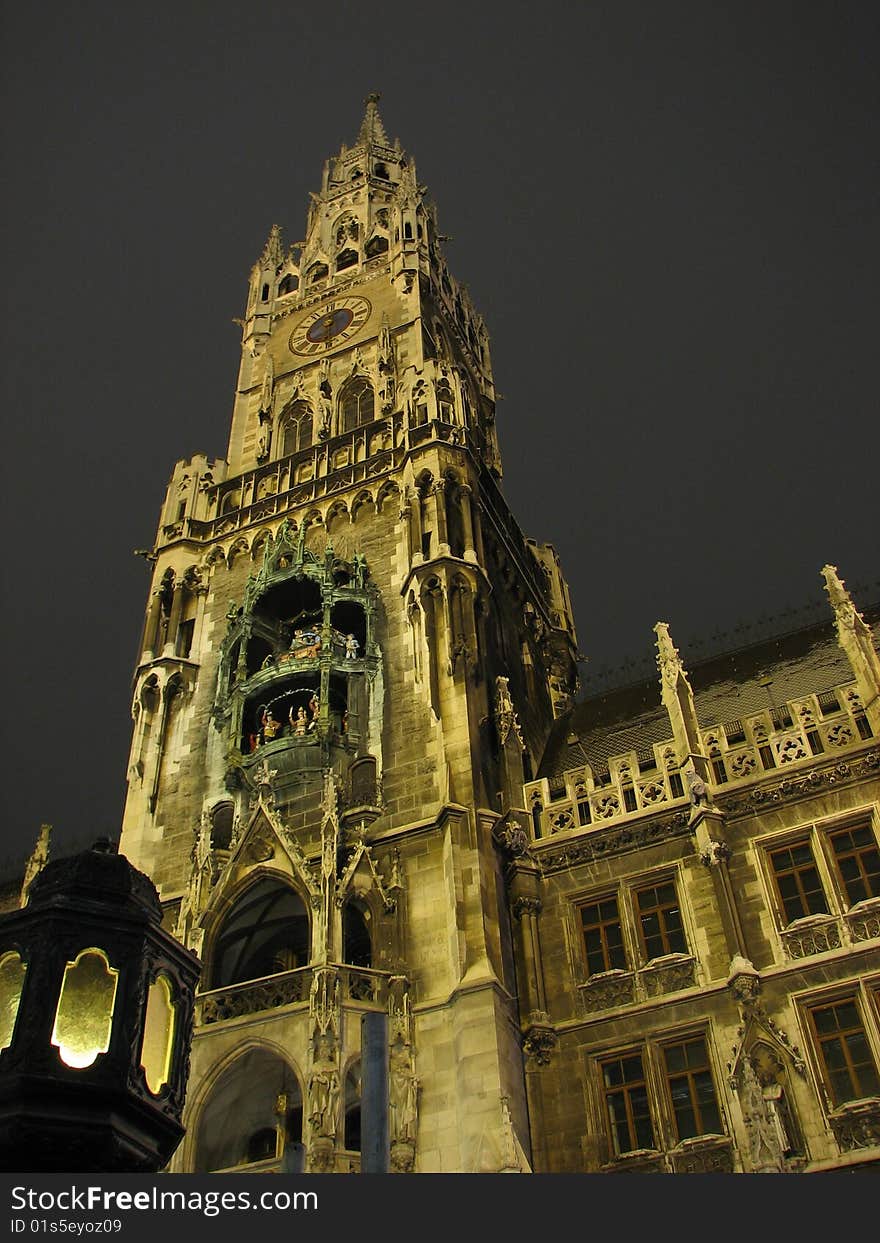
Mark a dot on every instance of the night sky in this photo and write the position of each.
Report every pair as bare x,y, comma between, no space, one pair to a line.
666,213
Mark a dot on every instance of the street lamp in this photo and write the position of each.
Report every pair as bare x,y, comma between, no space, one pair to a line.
96,1015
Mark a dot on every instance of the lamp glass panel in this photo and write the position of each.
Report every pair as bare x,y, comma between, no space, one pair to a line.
84,1016
158,1034
12,971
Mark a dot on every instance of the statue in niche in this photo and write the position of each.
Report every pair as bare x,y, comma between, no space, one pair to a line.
351,647
324,1100
768,1141
314,708
267,387
271,727
403,1089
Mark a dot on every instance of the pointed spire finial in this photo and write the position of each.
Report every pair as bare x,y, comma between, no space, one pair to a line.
837,592
372,129
272,252
668,658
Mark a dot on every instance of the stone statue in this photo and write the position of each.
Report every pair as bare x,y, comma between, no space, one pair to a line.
403,1089
767,1141
324,1101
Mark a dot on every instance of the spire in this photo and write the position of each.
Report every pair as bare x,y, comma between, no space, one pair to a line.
678,698
854,636
372,130
272,252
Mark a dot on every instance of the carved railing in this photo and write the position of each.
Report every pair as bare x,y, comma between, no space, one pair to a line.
706,1154
270,993
863,920
609,989
364,986
361,986
857,1124
814,934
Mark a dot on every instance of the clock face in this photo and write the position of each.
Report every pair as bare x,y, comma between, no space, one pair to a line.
329,325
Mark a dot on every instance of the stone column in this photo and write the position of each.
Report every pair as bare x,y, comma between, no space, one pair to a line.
151,629
174,618
374,1094
465,493
438,494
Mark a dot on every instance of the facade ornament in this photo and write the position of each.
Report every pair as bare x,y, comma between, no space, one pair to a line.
715,854
768,1139
697,788
403,1088
37,861
854,636
526,906
510,1162
267,388
744,982
539,1039
511,837
506,718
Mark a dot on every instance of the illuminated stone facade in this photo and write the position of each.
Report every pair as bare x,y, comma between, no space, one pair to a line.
359,781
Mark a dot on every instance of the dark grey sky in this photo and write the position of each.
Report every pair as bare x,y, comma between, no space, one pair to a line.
667,214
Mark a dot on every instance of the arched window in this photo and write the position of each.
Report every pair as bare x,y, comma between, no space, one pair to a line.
289,284
222,815
266,932
296,429
352,1104
317,272
377,245
356,404
346,259
242,1123
357,949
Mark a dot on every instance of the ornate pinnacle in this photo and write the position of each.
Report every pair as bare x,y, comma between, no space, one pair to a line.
372,130
272,251
841,600
668,659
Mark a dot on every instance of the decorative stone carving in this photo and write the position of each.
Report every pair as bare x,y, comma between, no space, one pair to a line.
668,975
403,1088
793,788
511,837
609,842
37,861
703,1156
539,1041
269,994
715,854
526,906
609,989
814,935
506,718
857,1125
864,920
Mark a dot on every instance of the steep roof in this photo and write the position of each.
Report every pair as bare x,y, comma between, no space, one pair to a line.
726,688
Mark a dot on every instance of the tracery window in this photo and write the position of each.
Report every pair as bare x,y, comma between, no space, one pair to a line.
357,404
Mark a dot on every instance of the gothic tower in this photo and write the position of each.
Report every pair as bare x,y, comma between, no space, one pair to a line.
352,659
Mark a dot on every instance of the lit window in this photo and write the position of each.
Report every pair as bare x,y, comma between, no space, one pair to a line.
858,862
691,1088
603,936
84,1017
797,881
626,1103
848,1068
660,923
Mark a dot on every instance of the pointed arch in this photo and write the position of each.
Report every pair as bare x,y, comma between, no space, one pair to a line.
265,931
295,429
357,403
235,1121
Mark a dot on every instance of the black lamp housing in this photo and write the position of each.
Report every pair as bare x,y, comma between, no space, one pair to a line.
96,1012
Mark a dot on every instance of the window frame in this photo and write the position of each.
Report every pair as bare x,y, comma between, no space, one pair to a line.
827,832
661,1111
680,1039
655,881
597,900
865,995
